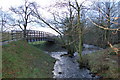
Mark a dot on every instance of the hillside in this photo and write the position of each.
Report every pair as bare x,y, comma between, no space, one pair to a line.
22,60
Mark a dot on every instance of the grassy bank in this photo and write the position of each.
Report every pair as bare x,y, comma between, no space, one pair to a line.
22,60
47,46
104,63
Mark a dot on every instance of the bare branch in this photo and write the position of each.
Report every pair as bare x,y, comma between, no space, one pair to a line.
102,27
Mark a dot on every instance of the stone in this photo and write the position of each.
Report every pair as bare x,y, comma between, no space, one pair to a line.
59,72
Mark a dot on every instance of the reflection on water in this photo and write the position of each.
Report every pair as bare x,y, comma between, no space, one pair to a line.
66,67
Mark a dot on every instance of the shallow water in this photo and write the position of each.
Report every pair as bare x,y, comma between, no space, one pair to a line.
66,67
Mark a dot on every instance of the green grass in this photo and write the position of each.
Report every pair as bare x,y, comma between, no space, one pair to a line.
104,63
47,46
39,44
0,61
22,60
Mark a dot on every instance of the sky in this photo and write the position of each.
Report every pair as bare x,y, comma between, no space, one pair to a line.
6,4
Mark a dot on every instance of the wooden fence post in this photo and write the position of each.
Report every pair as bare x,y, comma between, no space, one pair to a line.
12,34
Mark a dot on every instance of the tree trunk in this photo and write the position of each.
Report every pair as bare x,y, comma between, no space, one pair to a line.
24,33
70,49
118,36
80,46
80,35
107,4
71,52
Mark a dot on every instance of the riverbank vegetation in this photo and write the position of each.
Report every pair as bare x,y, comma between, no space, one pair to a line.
21,60
104,63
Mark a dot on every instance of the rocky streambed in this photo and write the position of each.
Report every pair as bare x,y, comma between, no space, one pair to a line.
66,67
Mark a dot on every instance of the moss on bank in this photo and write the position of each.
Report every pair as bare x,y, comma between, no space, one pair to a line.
104,63
22,60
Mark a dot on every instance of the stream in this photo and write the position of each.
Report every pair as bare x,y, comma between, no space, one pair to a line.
66,67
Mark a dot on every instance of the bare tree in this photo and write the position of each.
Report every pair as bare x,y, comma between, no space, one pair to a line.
80,26
108,10
108,13
68,25
23,15
5,20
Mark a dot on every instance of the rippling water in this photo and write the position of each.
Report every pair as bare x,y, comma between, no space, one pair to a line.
66,67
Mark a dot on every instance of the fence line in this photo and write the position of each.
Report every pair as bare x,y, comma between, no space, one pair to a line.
32,35
6,36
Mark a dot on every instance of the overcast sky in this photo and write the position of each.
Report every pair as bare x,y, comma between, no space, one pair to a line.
6,4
